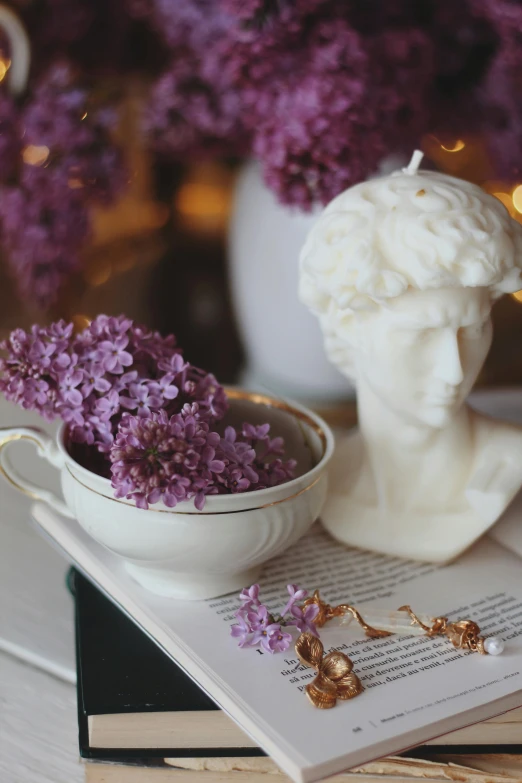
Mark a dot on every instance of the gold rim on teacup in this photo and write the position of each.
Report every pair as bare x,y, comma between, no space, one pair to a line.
310,419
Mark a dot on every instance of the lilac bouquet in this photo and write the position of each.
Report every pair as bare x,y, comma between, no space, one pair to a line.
57,159
128,395
319,91
257,626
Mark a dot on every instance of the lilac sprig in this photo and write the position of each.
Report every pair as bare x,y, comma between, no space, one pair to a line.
128,393
91,379
57,157
172,459
258,627
169,459
320,91
253,459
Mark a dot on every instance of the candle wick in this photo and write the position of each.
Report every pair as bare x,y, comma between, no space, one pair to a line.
414,163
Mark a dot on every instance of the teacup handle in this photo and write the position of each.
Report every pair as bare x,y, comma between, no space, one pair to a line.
46,448
20,50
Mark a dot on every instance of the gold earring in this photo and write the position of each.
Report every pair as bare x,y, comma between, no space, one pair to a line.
463,634
335,678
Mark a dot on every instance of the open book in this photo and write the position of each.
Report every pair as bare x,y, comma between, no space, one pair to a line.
416,688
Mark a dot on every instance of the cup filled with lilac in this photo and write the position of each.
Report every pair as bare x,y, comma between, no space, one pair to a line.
192,485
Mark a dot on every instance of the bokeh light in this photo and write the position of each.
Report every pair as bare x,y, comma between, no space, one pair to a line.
457,147
35,155
517,198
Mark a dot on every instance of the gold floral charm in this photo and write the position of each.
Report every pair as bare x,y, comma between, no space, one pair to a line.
335,679
464,635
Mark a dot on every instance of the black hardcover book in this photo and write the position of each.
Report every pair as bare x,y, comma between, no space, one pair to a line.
135,703
133,700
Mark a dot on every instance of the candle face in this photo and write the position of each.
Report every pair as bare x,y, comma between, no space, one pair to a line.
422,352
402,272
381,240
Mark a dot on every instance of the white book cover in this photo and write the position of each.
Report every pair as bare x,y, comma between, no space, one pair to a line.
416,688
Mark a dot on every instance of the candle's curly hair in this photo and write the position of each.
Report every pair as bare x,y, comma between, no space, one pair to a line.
386,236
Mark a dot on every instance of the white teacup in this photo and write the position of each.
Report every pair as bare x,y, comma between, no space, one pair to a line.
183,552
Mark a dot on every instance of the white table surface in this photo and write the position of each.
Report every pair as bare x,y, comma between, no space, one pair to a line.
38,721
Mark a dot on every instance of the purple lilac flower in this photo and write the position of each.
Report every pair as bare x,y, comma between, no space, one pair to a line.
202,388
241,630
142,398
252,12
61,116
27,377
259,618
272,638
106,407
184,111
94,380
62,160
112,354
258,626
250,462
296,594
173,364
250,595
67,386
80,377
240,455
72,416
278,640
298,157
165,387
160,458
35,392
321,91
304,618
129,393
497,105
255,433
42,227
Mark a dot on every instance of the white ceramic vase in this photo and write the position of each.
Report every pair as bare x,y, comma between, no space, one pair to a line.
283,341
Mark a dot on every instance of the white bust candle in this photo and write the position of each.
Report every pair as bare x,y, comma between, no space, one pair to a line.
402,272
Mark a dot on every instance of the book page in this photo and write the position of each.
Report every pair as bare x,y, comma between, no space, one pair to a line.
416,688
361,578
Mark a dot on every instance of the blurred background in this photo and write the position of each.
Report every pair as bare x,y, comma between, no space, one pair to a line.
166,160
